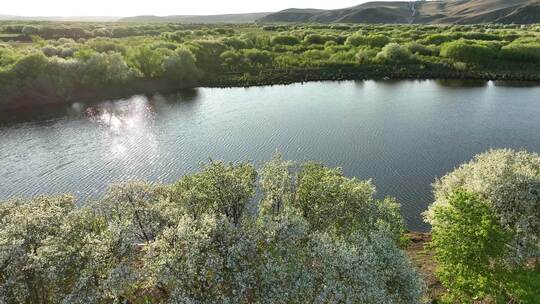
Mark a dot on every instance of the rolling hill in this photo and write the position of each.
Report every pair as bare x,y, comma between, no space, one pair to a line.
433,12
228,18
450,11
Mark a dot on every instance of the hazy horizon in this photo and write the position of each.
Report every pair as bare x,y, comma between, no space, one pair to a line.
103,8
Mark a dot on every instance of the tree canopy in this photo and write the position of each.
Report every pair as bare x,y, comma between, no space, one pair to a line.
317,236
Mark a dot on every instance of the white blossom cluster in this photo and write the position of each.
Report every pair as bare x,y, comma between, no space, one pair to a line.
319,237
510,181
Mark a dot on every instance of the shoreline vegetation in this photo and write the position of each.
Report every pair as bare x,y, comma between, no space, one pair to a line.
36,97
311,235
43,63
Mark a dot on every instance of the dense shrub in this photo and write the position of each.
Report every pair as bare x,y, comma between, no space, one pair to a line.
26,227
246,54
346,57
421,49
480,36
438,39
104,45
180,67
195,241
177,36
30,66
365,55
231,59
376,41
30,30
102,32
207,53
522,52
7,56
50,51
147,61
333,203
318,39
312,55
285,40
486,227
468,51
257,57
237,43
394,53
101,69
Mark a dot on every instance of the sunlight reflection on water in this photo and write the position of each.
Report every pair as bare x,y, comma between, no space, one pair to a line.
127,127
403,134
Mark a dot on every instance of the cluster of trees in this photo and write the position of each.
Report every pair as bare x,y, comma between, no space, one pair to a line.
312,236
225,53
486,229
65,68
285,233
74,30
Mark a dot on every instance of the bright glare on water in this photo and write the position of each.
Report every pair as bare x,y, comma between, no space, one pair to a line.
401,134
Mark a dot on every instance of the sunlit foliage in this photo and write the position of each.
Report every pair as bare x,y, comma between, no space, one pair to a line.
248,54
199,241
486,228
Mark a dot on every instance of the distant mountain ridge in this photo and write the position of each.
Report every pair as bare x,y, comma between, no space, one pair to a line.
226,18
438,11
60,18
417,12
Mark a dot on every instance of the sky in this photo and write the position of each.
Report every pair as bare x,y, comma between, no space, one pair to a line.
159,7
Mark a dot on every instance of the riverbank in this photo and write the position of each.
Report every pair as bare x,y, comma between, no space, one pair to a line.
422,256
290,76
44,94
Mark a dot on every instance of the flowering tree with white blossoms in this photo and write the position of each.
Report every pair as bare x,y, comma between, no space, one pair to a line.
319,237
24,227
510,181
486,227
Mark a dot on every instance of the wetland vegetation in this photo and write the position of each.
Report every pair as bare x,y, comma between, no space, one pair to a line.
51,62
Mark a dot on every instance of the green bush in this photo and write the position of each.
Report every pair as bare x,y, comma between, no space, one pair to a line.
196,242
438,39
26,226
318,39
105,69
485,228
207,53
180,67
104,45
7,56
468,51
365,55
285,40
331,202
376,41
147,61
312,55
394,53
521,52
421,49
30,66
222,53
469,244
237,43
343,57
257,57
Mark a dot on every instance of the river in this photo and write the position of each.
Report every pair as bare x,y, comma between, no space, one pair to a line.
402,134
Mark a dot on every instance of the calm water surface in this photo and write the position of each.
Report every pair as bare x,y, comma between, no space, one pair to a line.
402,134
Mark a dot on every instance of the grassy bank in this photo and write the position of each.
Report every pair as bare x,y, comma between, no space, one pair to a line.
44,63
45,94
422,257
